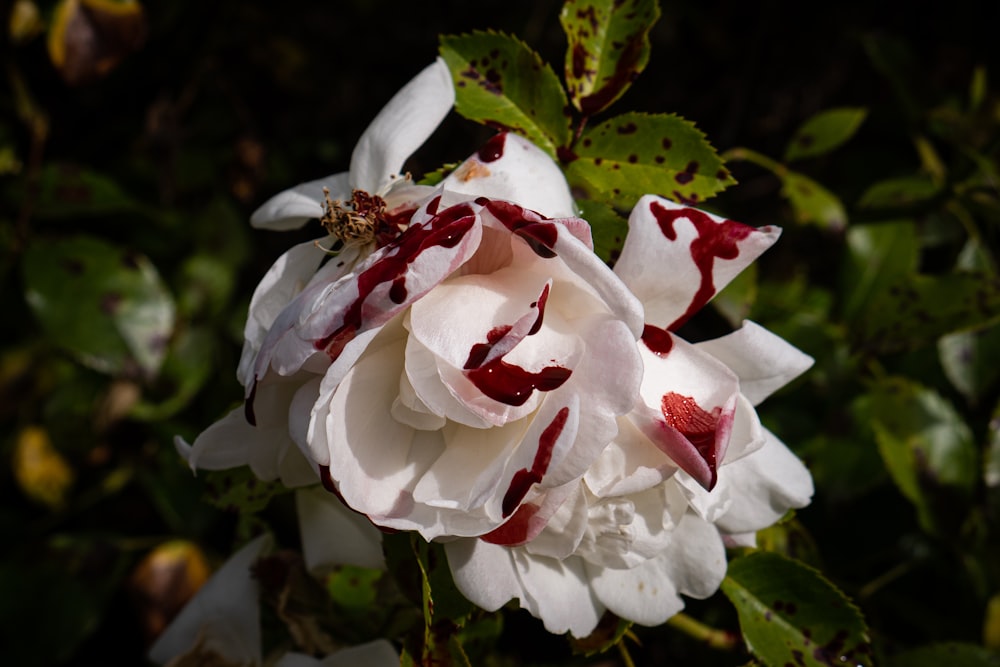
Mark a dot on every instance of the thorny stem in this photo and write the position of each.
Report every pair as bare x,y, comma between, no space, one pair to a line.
722,640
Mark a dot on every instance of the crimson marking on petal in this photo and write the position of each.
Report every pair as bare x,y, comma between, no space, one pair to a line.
492,150
248,411
480,351
696,424
397,292
512,384
516,530
540,304
715,240
521,483
540,236
445,230
659,341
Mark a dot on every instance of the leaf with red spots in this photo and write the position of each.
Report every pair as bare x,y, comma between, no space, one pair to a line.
608,228
916,310
636,154
107,306
824,132
791,615
608,48
501,82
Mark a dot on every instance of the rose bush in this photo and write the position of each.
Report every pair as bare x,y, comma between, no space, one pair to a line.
466,367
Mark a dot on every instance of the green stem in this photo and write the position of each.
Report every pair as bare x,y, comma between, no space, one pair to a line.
723,640
623,652
746,155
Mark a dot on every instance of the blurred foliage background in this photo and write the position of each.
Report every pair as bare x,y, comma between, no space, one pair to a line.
135,140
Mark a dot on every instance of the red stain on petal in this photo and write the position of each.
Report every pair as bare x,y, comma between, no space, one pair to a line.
696,424
523,479
715,240
659,341
492,150
445,230
513,385
517,530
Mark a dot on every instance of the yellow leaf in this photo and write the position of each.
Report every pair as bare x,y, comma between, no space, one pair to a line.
41,471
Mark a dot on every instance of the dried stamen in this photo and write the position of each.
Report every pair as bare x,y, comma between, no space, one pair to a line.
356,223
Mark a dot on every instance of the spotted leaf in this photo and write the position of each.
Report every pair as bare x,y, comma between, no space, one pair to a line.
790,615
635,154
105,304
501,82
608,48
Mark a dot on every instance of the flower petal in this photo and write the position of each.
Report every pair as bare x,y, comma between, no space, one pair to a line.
224,614
484,573
763,361
334,535
293,208
511,167
557,592
767,484
402,126
676,258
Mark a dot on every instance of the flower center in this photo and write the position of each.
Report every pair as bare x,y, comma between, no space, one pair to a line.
357,222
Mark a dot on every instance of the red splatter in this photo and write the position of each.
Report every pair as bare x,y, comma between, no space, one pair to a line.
492,150
659,341
694,423
516,530
445,230
714,240
480,351
524,478
540,236
512,384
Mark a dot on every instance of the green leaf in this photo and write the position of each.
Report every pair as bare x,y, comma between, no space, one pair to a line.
105,304
354,589
811,202
919,309
189,364
790,538
824,132
501,82
606,635
636,154
239,490
952,654
971,360
608,48
991,459
878,256
899,192
790,614
607,227
69,191
927,448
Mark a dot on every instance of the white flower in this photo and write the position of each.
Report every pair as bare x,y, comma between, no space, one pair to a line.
399,129
478,361
690,467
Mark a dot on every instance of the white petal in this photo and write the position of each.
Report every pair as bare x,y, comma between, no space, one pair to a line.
695,560
402,126
511,167
224,614
763,361
765,485
643,594
334,535
676,258
295,207
557,592
483,572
